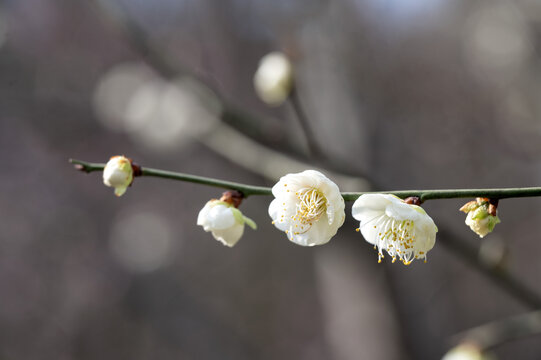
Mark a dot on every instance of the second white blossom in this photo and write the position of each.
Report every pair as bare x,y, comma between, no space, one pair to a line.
405,231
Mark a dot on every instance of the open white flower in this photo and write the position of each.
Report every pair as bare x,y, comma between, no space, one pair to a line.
273,79
405,231
308,207
224,221
118,173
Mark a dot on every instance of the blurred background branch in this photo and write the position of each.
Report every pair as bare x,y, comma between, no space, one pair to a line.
295,101
236,122
495,271
496,333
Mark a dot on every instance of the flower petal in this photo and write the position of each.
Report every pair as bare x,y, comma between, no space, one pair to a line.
220,217
369,206
229,236
369,229
203,213
402,211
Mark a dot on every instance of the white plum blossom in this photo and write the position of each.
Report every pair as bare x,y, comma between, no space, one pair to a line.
118,173
308,207
273,79
224,221
482,216
405,231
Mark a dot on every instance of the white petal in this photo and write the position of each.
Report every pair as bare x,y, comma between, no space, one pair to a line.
220,217
116,178
320,233
276,210
370,229
203,214
402,211
229,236
369,206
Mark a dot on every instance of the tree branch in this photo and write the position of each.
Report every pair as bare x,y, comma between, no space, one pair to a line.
248,190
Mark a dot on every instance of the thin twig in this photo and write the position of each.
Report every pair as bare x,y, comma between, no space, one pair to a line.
295,103
248,190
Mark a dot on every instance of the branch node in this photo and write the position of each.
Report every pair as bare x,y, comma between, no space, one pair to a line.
493,206
233,197
137,169
413,200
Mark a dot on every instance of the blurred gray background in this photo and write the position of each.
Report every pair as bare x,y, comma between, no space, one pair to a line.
415,94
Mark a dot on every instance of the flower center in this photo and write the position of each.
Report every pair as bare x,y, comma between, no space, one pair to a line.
311,206
398,238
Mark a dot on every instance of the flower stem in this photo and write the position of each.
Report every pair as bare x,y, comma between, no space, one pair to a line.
246,190
424,195
249,190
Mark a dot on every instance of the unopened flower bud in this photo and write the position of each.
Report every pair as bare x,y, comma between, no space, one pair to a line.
118,173
223,219
273,79
482,215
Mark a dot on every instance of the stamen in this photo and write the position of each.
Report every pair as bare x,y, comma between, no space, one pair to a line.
310,207
397,238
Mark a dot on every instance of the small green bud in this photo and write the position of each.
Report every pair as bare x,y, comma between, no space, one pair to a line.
481,216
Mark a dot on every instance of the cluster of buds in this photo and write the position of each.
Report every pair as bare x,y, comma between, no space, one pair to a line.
482,215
